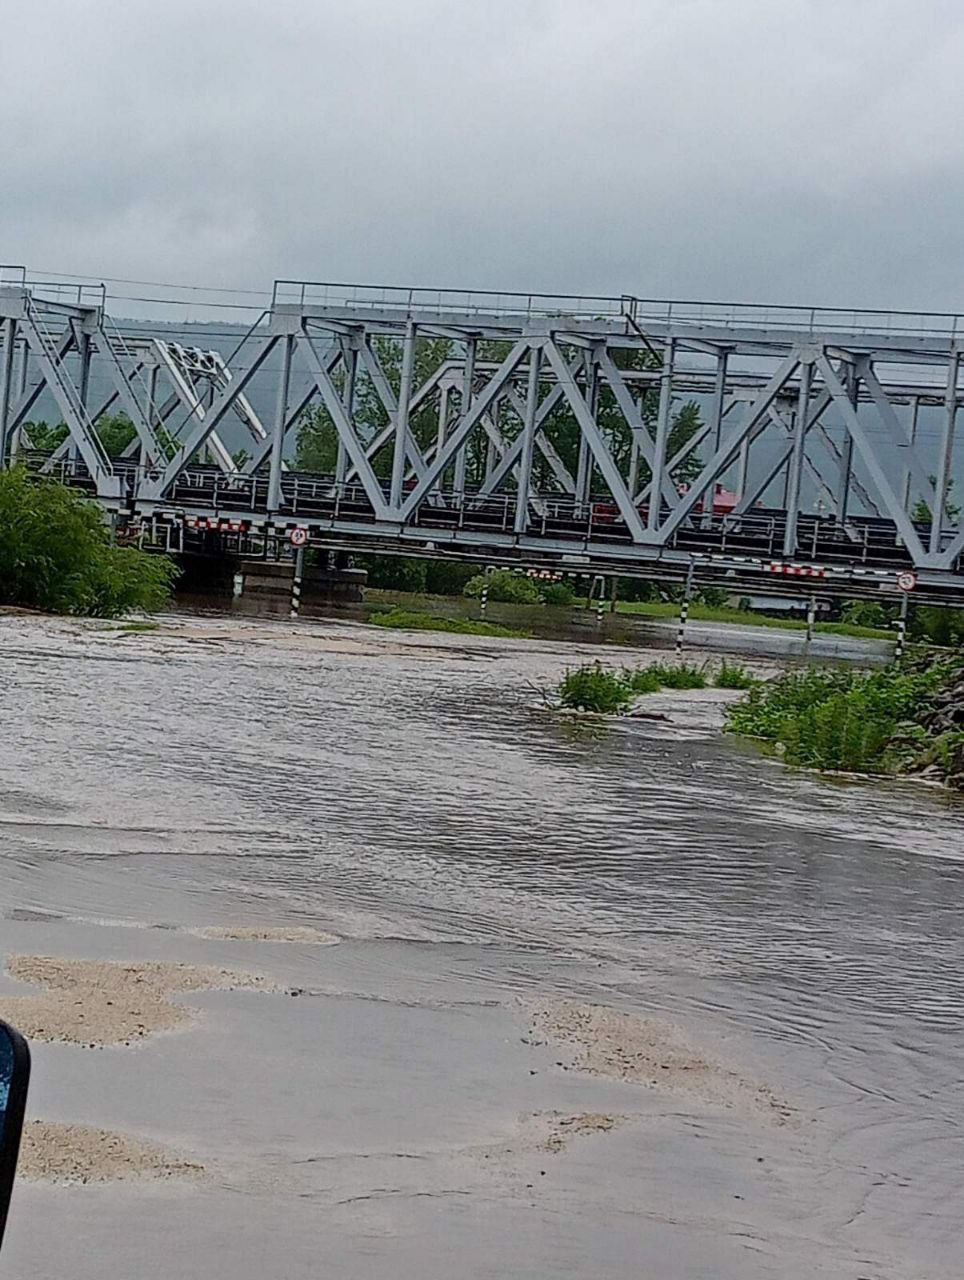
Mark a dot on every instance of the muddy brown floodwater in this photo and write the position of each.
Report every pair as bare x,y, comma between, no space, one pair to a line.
343,957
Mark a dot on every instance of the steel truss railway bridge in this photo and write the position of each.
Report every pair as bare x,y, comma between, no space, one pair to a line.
832,402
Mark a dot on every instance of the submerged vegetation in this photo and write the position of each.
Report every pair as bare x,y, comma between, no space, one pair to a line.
592,687
901,718
56,553
409,620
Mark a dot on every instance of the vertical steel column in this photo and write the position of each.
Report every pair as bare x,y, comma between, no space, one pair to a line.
852,386
719,397
153,421
6,384
716,426
943,479
528,442
443,416
468,386
400,447
350,358
662,436
278,427
632,478
914,414
742,469
83,386
795,463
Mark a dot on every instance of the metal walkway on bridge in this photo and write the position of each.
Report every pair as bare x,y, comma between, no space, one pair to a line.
552,430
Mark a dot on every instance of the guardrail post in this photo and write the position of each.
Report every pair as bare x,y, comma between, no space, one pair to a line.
296,582
901,627
684,608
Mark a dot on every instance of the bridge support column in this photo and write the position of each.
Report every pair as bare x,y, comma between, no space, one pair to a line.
662,437
6,384
528,442
795,462
468,384
945,455
914,413
400,449
278,428
852,384
351,377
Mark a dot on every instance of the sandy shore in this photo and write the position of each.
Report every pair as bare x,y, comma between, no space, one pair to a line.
72,1153
92,1003
624,1046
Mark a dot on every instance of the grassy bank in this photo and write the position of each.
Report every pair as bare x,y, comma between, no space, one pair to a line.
411,620
723,613
898,719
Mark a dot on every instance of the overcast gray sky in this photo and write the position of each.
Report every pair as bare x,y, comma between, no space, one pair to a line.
780,150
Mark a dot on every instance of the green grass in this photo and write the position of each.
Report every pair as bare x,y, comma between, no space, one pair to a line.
409,620
839,720
733,675
725,613
593,688
136,626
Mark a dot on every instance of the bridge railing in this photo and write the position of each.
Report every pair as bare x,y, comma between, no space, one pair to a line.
659,311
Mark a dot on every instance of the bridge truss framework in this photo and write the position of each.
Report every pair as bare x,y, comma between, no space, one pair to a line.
831,399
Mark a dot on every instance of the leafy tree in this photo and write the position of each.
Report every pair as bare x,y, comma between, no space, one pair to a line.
504,587
45,437
922,512
56,554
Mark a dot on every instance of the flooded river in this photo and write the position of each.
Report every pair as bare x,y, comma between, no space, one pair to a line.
411,797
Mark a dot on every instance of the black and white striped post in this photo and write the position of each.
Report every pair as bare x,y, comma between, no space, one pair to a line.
296,582
684,608
811,618
484,598
601,602
901,643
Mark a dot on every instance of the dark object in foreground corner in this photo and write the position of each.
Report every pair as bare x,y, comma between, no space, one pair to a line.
14,1074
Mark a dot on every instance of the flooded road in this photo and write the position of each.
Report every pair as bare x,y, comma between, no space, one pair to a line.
411,797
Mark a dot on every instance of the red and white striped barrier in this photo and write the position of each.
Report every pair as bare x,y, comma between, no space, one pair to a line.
796,570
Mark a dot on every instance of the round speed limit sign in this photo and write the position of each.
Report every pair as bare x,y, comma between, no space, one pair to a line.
907,581
298,537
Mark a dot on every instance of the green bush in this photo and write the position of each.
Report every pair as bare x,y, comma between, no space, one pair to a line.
643,679
56,554
505,587
394,573
733,675
866,613
592,688
683,675
447,577
557,594
839,719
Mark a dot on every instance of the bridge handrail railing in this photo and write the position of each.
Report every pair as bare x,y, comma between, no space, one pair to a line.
680,312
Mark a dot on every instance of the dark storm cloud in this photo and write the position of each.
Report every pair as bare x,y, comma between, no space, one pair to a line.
757,149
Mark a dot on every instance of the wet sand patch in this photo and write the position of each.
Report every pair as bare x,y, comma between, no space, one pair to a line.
563,1129
96,1003
279,933
74,1153
624,1046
